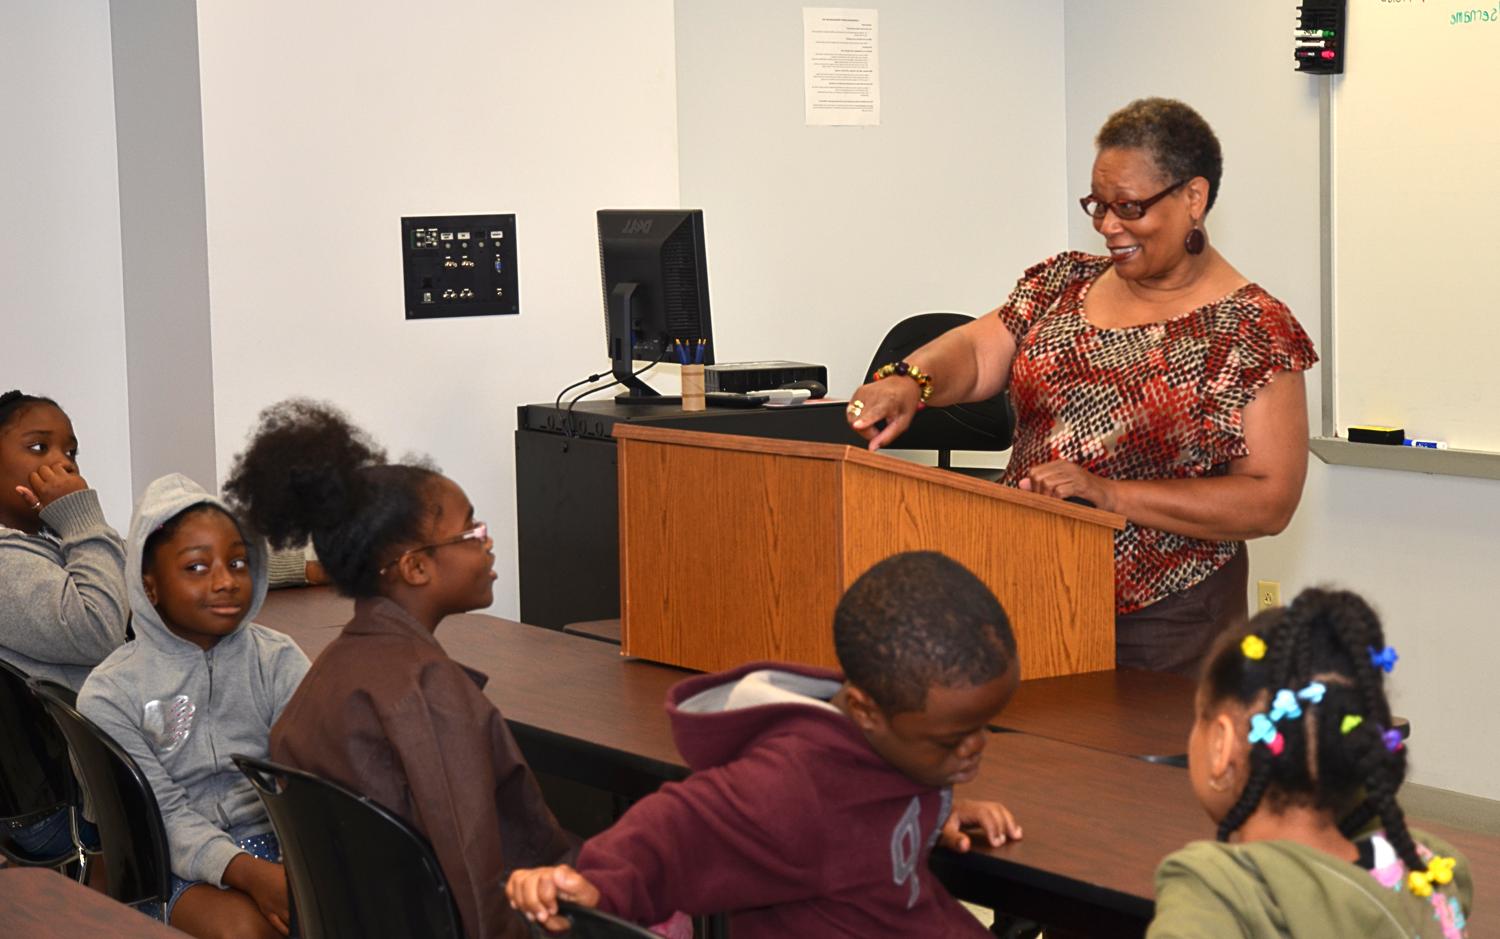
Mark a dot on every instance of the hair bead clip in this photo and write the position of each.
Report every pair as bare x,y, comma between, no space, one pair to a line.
1418,883
1383,659
1262,730
1313,692
1439,871
1285,705
1254,647
1350,722
1392,740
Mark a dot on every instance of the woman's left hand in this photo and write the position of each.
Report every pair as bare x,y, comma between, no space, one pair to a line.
1062,480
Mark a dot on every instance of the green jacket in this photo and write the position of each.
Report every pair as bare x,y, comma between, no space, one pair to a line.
1281,889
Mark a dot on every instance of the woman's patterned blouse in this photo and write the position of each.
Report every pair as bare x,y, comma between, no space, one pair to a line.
1159,401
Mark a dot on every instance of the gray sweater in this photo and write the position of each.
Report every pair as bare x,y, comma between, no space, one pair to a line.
62,592
181,711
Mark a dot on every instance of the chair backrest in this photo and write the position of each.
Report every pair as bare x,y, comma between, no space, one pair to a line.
136,863
980,425
593,924
353,868
34,772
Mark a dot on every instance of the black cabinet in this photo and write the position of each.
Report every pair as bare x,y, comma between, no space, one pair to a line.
567,500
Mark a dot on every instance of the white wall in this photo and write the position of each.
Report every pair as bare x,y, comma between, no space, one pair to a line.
61,317
1423,549
822,238
325,123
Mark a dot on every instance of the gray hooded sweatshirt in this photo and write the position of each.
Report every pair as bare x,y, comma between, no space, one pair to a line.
181,711
62,591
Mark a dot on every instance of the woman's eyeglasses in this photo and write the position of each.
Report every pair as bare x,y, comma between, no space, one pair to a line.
1130,209
480,533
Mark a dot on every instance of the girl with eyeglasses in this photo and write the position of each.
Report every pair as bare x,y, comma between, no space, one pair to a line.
384,710
1154,381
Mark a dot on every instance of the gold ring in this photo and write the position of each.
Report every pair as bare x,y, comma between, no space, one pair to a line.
855,407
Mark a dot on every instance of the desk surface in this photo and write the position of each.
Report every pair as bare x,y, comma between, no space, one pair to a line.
1130,712
40,903
1096,822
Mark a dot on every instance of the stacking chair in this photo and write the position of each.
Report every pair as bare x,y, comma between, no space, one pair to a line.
593,924
981,425
35,779
137,866
354,869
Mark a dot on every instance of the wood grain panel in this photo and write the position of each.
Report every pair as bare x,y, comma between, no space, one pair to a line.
862,457
1053,573
727,556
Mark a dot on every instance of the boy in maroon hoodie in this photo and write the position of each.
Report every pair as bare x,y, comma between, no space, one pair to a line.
816,798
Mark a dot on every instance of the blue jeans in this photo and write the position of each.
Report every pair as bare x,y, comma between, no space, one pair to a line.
53,837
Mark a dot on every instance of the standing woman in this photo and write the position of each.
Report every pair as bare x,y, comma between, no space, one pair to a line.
1155,381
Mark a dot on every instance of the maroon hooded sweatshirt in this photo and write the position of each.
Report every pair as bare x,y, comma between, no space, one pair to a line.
790,822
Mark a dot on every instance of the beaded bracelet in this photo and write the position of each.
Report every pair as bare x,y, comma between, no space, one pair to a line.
907,370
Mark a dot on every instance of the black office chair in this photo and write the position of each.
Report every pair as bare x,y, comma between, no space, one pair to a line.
36,781
593,924
137,866
981,425
354,870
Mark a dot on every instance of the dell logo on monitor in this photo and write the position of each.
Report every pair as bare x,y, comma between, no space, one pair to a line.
637,226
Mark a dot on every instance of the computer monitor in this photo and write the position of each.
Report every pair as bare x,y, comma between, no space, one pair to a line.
655,279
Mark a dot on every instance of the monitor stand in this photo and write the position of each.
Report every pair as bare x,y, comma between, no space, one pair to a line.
622,347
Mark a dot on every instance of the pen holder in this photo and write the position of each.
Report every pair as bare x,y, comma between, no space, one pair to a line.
692,388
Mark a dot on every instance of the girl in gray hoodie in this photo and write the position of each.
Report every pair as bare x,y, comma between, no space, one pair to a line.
200,682
62,568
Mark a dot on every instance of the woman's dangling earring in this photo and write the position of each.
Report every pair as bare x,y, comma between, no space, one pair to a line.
1196,240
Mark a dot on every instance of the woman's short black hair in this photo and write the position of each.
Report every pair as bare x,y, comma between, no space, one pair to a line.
916,621
309,473
1327,760
14,403
1179,140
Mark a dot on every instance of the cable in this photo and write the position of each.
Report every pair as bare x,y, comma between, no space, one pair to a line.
568,417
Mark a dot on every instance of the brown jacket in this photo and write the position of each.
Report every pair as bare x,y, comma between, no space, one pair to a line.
385,712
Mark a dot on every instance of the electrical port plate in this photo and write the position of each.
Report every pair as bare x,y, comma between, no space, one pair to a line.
459,265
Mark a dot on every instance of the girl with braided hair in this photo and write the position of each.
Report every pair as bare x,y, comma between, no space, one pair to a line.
1294,758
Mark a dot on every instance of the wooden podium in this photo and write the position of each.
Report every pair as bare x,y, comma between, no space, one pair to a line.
736,549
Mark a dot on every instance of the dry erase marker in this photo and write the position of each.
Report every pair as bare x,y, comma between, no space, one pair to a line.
1425,444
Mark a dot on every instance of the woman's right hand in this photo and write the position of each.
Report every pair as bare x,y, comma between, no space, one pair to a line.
880,411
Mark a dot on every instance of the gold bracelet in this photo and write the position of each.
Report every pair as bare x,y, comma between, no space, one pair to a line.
907,370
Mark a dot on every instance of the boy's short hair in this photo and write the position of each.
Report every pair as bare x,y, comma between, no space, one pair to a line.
920,620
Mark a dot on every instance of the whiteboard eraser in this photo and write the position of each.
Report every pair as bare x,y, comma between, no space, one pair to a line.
1370,433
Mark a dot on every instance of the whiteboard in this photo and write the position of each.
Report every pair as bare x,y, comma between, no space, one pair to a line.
1416,221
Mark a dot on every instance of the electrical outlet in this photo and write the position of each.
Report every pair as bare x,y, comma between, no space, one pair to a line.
1267,594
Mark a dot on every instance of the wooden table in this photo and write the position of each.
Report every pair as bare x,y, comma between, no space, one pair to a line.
39,903
1097,818
1126,711
605,630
